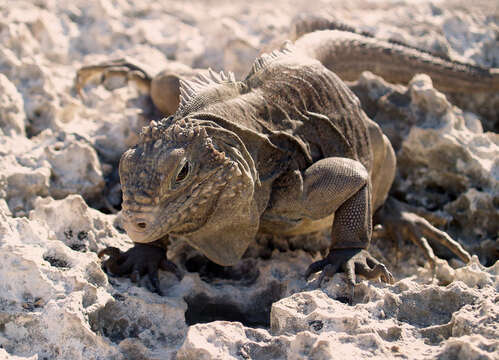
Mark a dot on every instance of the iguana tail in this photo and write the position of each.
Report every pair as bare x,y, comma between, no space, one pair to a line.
349,53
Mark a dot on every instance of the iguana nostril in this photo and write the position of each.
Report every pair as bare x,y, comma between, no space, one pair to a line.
141,225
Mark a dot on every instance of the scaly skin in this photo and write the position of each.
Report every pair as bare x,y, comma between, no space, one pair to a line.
287,151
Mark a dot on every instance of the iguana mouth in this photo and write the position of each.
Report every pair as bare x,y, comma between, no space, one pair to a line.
138,226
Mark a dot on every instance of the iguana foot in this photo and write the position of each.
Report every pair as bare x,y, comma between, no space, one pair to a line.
352,262
138,261
399,221
116,68
163,88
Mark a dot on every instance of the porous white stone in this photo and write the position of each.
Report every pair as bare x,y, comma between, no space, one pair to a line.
445,161
57,303
11,108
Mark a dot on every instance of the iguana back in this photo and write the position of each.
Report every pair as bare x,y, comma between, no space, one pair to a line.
291,100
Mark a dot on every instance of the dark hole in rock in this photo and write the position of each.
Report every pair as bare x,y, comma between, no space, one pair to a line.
117,331
398,99
78,247
53,176
119,297
109,200
369,105
112,322
30,132
80,244
104,210
344,299
68,234
31,304
245,273
490,253
254,311
56,262
316,325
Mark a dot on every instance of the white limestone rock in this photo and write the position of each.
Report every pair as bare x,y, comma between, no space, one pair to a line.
450,154
56,300
217,340
442,150
11,108
49,165
48,291
51,34
445,161
32,80
75,168
408,318
78,226
57,303
5,355
21,183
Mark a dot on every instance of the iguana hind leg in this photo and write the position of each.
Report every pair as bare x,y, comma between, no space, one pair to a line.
164,88
120,68
399,221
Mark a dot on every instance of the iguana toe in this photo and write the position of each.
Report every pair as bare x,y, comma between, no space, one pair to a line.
352,262
138,261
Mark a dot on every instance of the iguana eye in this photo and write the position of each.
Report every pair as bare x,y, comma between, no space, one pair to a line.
183,173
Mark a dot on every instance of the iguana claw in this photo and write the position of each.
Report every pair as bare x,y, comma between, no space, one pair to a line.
352,262
138,261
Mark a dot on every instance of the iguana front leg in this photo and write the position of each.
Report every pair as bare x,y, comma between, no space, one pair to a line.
342,186
138,261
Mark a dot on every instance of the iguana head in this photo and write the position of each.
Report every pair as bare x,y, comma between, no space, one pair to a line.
191,181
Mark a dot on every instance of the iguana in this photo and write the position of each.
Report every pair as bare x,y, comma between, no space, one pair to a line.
286,151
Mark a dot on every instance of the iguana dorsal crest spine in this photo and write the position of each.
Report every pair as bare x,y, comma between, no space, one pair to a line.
265,59
189,89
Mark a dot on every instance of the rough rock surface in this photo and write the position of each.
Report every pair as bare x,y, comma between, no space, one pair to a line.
58,180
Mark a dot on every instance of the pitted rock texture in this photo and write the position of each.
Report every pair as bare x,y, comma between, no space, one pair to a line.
59,183
445,161
384,322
